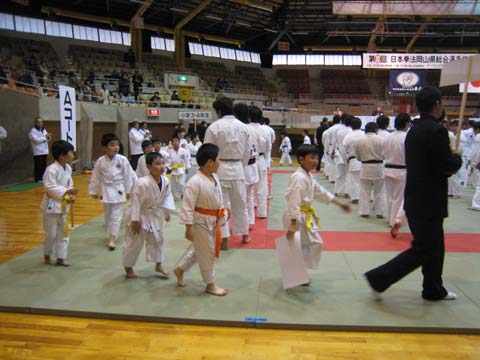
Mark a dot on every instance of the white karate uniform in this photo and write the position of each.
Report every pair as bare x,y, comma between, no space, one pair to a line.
112,179
206,193
383,133
233,139
264,144
466,141
475,162
302,190
285,149
38,139
142,169
251,174
370,147
135,139
146,133
352,182
331,139
395,179
341,160
268,154
56,181
326,159
193,148
178,162
454,181
306,140
149,205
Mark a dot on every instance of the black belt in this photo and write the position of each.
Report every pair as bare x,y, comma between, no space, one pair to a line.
262,154
372,162
350,158
193,155
252,161
231,160
393,166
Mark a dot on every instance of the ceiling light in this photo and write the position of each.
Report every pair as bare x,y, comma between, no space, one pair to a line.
178,10
270,30
243,24
213,17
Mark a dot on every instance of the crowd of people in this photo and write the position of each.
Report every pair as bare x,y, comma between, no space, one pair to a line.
222,186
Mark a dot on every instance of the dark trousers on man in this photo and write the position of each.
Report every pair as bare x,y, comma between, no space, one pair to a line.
320,155
134,160
427,251
39,166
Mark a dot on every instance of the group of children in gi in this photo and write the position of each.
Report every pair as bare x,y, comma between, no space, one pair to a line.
152,203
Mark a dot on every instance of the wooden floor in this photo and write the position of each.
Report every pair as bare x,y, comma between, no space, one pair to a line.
25,336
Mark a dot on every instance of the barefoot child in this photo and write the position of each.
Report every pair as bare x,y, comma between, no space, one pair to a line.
151,204
112,179
142,169
300,215
59,194
203,214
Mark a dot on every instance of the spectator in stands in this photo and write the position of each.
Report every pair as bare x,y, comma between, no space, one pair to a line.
91,77
130,58
104,95
72,79
26,78
155,99
378,111
318,139
137,80
86,91
175,95
15,75
124,84
3,76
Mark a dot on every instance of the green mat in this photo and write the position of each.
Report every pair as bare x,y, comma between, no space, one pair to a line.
20,187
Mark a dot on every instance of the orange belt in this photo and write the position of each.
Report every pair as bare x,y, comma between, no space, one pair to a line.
219,214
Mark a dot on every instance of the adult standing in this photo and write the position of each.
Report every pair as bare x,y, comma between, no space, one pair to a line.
430,161
233,139
318,140
135,138
39,138
271,131
341,168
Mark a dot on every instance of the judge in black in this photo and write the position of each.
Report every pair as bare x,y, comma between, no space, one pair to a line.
429,162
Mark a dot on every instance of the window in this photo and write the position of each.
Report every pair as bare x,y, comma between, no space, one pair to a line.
226,53
169,45
105,36
315,60
279,60
243,55
6,22
58,29
255,58
29,25
211,51
333,60
85,33
352,60
296,59
195,48
158,43
127,40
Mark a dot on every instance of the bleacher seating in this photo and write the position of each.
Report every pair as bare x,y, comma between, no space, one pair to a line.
344,82
298,81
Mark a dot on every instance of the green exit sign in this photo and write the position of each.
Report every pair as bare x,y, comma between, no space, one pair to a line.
182,78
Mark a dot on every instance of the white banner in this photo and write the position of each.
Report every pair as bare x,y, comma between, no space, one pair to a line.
67,115
473,87
409,61
199,115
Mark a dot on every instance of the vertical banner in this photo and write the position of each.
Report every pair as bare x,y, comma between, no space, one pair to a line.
67,115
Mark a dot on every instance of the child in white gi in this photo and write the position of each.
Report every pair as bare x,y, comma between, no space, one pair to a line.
203,214
59,194
112,179
157,147
142,169
151,203
474,162
193,147
300,214
178,164
285,149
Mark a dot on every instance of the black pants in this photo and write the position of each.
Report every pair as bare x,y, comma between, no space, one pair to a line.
320,155
427,251
39,166
134,160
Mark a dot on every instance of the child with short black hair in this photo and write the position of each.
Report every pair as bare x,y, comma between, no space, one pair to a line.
157,147
203,214
300,214
142,169
285,148
178,163
151,204
59,194
112,179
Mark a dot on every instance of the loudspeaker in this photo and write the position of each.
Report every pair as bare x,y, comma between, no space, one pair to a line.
146,41
266,60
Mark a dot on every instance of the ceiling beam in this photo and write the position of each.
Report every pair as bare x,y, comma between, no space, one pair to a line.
254,4
378,28
142,9
324,48
420,30
192,14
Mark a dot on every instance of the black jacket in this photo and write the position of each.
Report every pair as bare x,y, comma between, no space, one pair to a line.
430,162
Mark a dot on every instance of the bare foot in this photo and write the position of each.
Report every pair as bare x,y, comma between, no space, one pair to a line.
366,216
246,239
179,274
62,262
355,201
214,289
394,230
130,274
47,260
111,243
159,268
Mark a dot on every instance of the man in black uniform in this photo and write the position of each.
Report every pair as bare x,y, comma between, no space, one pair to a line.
429,162
318,140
